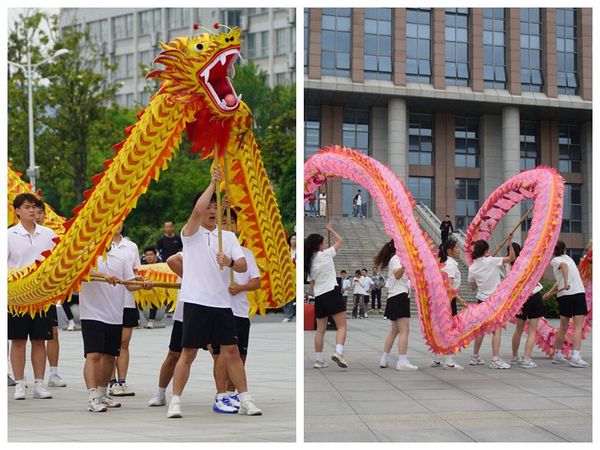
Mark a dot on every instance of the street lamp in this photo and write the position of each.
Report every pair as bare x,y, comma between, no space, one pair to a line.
33,170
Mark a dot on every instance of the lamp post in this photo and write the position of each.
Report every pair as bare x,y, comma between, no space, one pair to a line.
33,170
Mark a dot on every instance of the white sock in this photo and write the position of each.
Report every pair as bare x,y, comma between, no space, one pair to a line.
385,355
242,395
495,358
319,356
101,391
161,392
176,398
71,322
53,370
448,360
576,354
230,393
92,394
221,395
402,359
19,382
38,380
339,348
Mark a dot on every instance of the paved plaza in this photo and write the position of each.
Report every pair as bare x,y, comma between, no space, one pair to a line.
366,403
271,376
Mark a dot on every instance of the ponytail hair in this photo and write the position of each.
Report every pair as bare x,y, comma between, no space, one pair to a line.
311,246
445,247
385,254
560,248
517,248
479,249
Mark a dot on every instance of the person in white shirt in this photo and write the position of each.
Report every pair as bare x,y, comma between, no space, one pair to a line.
131,316
367,288
207,314
378,283
570,293
26,242
484,277
345,285
52,345
167,369
448,254
358,289
101,312
320,271
397,308
531,311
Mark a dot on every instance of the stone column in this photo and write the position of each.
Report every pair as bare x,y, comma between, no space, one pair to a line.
549,51
379,142
398,137
357,64
586,188
490,163
438,48
476,49
314,44
513,50
399,55
584,52
511,156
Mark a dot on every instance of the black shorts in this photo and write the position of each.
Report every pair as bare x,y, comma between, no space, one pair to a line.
131,317
533,307
100,337
176,334
454,307
203,325
572,305
366,298
329,303
243,332
53,315
397,307
38,327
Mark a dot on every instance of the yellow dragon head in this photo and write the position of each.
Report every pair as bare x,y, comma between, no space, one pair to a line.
200,69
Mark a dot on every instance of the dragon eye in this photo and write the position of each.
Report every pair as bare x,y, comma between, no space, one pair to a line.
199,46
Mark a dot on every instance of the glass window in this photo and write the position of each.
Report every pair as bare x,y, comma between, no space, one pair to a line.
421,189
336,41
466,139
149,21
467,201
175,18
123,26
569,148
312,130
306,38
418,45
494,50
420,138
355,134
251,45
264,44
124,66
566,50
281,41
571,220
378,43
531,50
529,145
457,47
98,31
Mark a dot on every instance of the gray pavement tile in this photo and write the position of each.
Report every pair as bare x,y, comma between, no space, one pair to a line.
583,403
513,434
439,394
351,436
335,424
433,435
472,404
383,406
512,404
581,432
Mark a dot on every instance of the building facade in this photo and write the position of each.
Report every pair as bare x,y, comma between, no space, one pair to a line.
455,101
131,36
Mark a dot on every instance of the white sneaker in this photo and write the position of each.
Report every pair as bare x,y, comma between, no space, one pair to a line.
40,391
383,362
366,316
452,366
339,360
115,390
498,364
286,320
55,380
110,402
559,359
95,405
405,366
435,362
528,364
476,360
19,391
517,360
234,401
123,391
248,407
150,324
174,411
577,362
320,364
71,326
222,406
157,400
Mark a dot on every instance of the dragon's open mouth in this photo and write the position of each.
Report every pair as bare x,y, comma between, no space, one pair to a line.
217,77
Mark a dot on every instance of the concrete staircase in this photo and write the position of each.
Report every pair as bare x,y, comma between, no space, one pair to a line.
363,238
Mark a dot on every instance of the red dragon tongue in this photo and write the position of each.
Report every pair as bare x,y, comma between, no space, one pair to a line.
209,136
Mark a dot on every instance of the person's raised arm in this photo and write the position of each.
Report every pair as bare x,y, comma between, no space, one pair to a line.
193,222
338,239
511,252
175,263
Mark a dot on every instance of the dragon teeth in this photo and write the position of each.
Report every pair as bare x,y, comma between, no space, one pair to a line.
223,59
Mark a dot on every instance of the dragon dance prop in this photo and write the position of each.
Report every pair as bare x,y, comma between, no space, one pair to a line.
442,332
196,96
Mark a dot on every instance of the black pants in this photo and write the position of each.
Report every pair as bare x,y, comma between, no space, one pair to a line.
376,295
153,311
358,304
445,236
66,306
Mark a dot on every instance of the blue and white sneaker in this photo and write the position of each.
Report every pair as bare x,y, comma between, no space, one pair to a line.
223,406
234,401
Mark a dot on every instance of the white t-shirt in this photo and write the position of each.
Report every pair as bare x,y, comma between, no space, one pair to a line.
575,282
102,301
178,313
322,272
24,248
485,272
231,247
203,283
359,285
396,286
368,283
358,200
346,284
131,252
239,302
451,269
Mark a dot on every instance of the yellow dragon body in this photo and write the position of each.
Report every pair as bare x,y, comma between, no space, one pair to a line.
196,96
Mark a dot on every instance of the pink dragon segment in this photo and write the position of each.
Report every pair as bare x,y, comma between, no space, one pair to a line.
442,332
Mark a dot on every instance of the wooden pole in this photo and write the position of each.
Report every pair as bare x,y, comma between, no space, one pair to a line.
327,210
226,175
219,220
513,230
140,283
